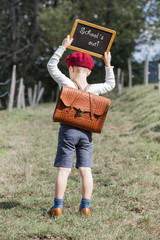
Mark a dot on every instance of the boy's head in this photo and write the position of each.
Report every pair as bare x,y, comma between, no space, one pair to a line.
80,59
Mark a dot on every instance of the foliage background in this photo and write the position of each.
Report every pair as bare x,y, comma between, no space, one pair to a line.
32,30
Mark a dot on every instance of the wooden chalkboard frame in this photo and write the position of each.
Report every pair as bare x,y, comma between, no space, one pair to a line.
78,21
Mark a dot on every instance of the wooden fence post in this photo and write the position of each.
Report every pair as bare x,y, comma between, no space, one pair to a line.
118,87
39,87
130,72
52,96
40,95
12,89
122,80
57,93
30,96
37,94
19,99
23,97
34,95
159,76
146,68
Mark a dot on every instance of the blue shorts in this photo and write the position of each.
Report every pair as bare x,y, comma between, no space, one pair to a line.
70,140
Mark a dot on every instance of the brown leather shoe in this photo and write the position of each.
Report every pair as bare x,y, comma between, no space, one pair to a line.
85,211
54,212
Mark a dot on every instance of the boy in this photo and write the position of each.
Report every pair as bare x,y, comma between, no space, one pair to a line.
70,138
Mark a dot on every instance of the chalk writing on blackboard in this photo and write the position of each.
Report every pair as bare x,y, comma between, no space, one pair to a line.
91,38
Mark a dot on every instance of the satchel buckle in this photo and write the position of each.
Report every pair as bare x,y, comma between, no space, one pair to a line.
80,112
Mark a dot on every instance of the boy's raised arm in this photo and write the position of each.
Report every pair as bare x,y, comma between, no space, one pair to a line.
109,84
52,65
67,42
107,59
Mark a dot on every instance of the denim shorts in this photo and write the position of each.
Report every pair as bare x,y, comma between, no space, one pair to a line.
70,140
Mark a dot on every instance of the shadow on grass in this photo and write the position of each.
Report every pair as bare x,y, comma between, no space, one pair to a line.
9,204
50,236
13,204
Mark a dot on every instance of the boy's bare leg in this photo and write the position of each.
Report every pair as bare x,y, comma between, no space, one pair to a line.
60,187
87,182
61,182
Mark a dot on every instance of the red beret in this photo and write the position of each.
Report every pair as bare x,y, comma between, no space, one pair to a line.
80,59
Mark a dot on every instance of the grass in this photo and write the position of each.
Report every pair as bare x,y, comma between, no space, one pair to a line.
125,203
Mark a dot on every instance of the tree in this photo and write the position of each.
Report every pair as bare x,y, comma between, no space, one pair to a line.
130,19
126,17
19,35
31,30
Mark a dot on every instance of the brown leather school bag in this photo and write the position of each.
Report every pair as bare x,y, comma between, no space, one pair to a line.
81,109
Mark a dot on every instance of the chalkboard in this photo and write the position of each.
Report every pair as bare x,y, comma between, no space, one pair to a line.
91,38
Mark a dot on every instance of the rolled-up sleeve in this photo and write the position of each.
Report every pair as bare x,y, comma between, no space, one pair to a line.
107,86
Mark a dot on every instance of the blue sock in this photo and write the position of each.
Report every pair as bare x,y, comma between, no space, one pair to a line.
58,203
84,203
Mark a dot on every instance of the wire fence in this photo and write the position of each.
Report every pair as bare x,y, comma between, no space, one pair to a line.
138,73
6,93
5,83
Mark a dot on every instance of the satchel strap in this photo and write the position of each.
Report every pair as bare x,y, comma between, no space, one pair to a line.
79,86
87,87
90,100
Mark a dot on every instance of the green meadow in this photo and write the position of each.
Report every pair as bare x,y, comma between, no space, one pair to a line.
126,198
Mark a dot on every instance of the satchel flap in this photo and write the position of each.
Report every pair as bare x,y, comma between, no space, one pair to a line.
82,100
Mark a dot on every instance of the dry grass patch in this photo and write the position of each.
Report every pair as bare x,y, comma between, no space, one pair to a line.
125,202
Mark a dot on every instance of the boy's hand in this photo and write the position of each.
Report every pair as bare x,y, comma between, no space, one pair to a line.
67,42
107,59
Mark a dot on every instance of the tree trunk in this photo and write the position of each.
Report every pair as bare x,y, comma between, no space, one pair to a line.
14,9
35,37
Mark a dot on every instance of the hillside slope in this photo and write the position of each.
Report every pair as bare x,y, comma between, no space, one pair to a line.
142,103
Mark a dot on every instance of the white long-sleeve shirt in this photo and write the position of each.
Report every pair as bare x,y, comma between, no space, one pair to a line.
62,80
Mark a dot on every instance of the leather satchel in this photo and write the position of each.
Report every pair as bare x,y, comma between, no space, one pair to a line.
81,109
